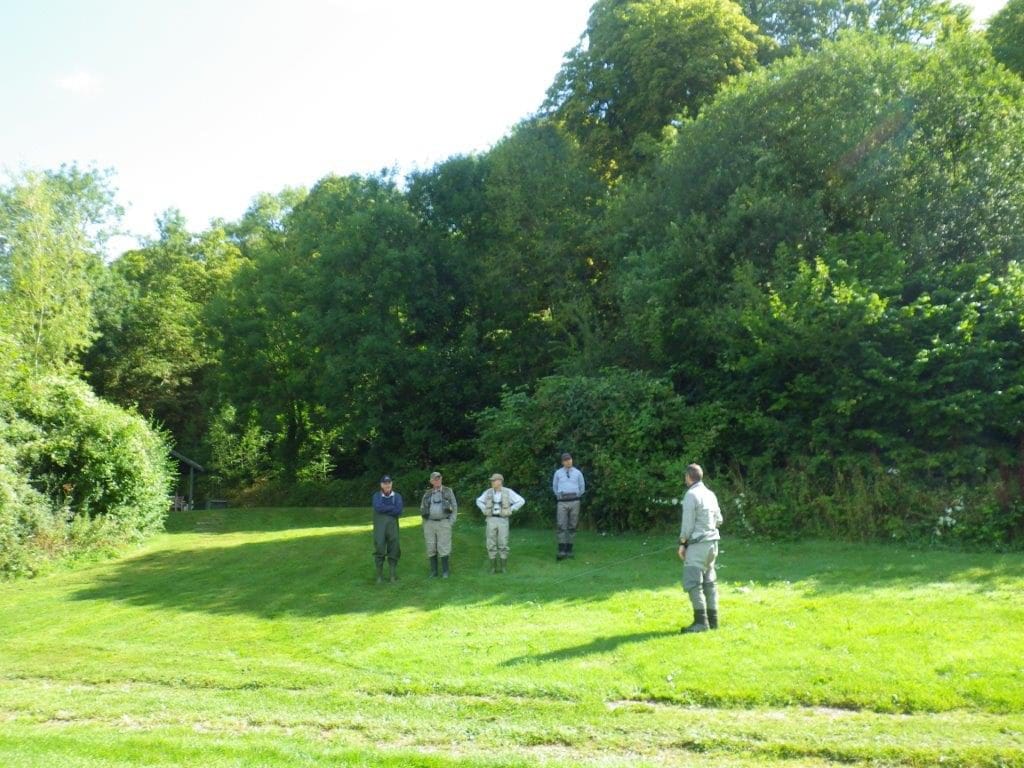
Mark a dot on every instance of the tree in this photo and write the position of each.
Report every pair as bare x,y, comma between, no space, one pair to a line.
639,65
155,349
371,301
863,135
263,374
53,226
1006,36
804,25
543,201
830,250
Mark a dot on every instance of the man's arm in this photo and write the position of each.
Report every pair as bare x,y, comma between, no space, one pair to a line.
689,517
399,503
480,502
581,481
517,501
425,504
554,483
455,505
375,501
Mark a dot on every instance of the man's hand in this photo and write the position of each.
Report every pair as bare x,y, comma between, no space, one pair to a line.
682,551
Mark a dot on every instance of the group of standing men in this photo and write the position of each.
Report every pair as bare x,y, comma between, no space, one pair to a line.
698,536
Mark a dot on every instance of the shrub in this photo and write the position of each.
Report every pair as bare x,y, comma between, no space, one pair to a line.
101,463
28,524
631,435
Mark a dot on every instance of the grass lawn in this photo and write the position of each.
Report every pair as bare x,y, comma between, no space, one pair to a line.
252,638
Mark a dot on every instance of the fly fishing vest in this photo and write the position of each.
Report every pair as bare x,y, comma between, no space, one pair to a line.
506,502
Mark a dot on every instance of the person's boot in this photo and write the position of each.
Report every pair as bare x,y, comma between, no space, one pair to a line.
712,619
393,571
444,567
494,565
433,566
561,552
503,565
568,551
380,571
700,623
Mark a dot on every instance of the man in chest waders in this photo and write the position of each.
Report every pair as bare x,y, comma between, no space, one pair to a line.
387,508
698,549
497,504
439,510
568,486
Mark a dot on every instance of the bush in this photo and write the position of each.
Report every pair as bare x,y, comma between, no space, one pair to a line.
29,528
629,433
106,467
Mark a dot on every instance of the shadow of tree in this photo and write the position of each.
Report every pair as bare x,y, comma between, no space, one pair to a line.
295,570
330,572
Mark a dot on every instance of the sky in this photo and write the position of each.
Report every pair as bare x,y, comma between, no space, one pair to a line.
202,104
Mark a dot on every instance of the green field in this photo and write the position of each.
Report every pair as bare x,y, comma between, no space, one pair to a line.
250,638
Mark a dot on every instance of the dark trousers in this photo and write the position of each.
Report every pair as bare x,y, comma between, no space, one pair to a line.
385,538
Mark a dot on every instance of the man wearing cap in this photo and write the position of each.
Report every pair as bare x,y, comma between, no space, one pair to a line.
568,486
387,508
439,510
497,504
698,549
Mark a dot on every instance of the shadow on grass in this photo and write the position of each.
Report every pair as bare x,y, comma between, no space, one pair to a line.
238,520
598,645
331,573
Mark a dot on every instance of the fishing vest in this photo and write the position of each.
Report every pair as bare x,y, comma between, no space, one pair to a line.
506,502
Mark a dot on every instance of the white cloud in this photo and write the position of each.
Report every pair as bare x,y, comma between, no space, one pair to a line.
80,83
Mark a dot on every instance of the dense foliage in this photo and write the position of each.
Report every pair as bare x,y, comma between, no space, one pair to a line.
781,239
631,432
1006,35
76,472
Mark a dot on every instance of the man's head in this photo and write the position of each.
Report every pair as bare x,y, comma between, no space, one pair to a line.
566,460
435,479
694,474
385,484
496,481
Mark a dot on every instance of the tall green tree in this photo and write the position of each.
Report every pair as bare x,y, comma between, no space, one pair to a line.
155,349
263,376
804,25
639,65
53,228
815,247
537,279
1005,34
372,305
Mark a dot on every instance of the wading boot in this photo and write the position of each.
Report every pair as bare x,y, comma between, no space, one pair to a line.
503,565
433,567
561,552
444,567
380,571
568,551
494,565
393,571
700,623
712,619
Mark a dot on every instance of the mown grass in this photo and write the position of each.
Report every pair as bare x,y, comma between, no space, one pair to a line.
259,638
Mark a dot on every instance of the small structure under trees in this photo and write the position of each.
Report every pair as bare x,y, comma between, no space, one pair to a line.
182,502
